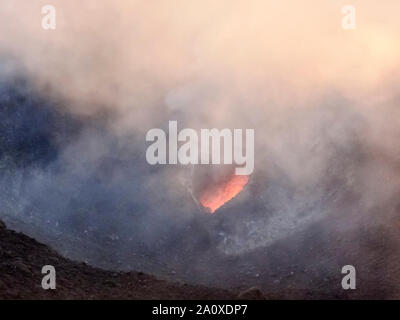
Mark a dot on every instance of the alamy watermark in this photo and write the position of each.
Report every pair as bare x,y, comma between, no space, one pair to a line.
349,18
49,280
189,152
349,280
49,19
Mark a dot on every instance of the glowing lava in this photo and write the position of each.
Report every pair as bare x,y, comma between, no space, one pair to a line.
213,198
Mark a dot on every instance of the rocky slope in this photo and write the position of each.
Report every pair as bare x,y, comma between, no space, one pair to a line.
22,258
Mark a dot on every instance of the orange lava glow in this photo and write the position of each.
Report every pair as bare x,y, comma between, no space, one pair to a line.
214,198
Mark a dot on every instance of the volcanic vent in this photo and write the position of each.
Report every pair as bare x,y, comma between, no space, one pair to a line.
215,185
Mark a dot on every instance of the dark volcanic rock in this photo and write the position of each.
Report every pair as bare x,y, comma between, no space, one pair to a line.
252,293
